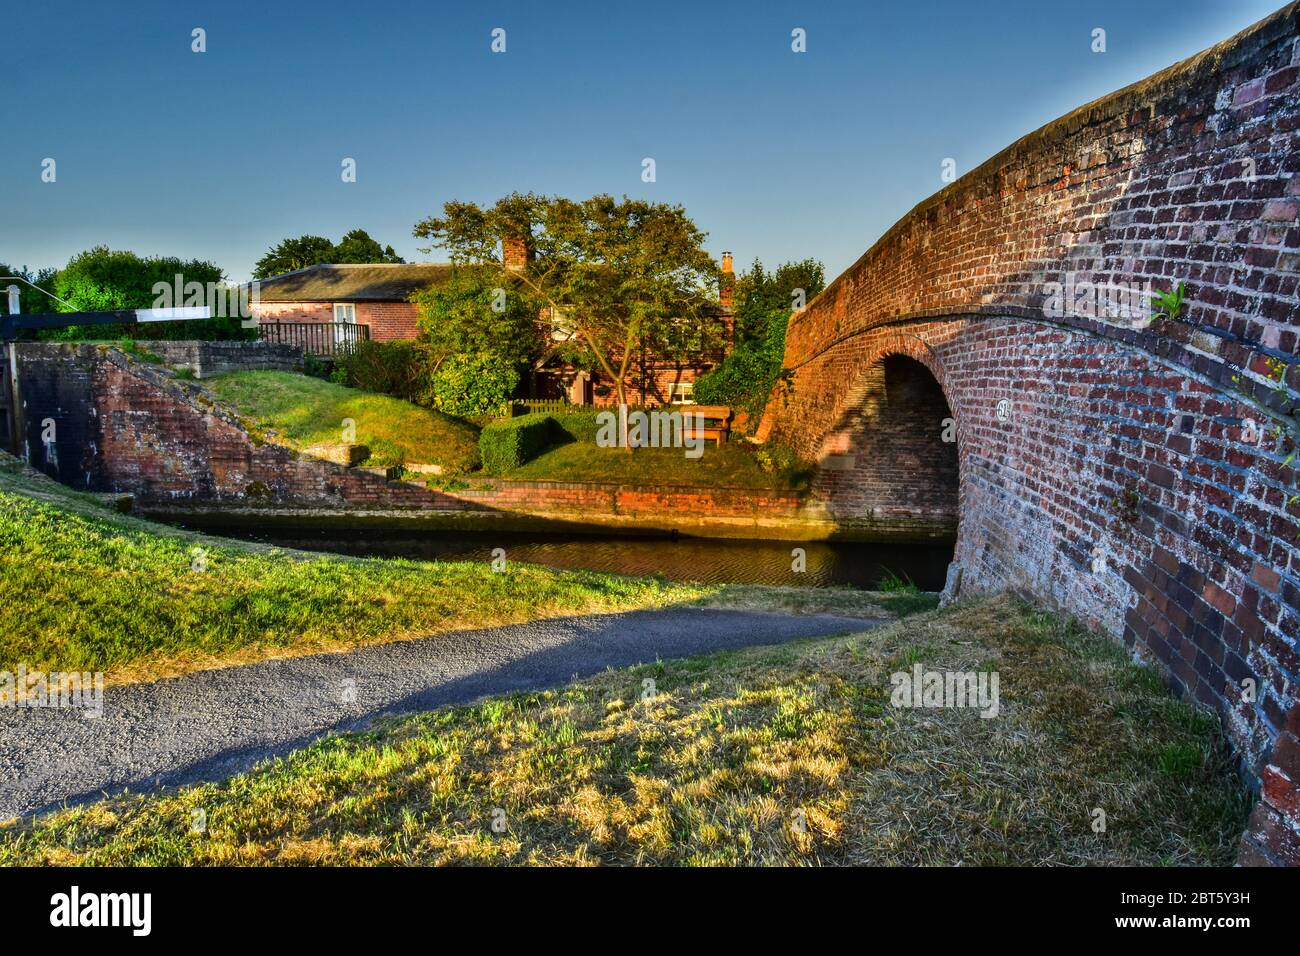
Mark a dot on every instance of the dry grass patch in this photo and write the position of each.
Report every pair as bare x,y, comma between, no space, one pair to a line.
785,755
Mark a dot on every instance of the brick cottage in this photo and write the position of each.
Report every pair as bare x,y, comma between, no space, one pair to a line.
377,297
374,295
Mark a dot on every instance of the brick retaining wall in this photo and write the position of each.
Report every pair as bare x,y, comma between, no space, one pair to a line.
124,425
206,359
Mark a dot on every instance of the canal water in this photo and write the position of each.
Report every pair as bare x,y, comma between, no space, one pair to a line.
711,560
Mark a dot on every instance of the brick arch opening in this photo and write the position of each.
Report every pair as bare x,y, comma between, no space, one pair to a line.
889,467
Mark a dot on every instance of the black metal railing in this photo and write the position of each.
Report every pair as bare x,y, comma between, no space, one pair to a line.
322,339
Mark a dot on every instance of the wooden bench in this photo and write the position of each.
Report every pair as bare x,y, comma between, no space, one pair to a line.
717,420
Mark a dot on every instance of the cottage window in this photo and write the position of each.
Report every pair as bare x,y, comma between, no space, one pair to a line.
682,393
561,325
345,314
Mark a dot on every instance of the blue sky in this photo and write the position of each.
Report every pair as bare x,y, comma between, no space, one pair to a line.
775,154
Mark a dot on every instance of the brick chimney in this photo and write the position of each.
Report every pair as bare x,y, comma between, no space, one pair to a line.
515,253
726,282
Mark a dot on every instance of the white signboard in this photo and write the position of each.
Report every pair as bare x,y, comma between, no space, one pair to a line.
173,315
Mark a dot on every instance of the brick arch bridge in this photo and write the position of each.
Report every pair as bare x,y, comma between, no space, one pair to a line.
1127,471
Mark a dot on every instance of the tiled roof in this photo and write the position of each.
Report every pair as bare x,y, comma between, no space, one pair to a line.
369,282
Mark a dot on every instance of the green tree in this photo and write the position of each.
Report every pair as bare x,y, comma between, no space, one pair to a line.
103,279
477,314
357,246
292,254
763,298
764,302
476,332
30,301
614,273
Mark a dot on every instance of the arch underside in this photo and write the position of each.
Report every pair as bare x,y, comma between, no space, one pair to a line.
888,466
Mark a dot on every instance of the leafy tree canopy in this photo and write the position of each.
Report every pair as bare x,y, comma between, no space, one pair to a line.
476,314
102,279
357,246
617,273
30,301
765,297
304,251
764,302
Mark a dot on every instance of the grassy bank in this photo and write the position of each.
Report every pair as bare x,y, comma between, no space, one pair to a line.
789,755
307,411
302,411
85,588
720,466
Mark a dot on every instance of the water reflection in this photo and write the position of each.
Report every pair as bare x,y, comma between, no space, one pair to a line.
711,560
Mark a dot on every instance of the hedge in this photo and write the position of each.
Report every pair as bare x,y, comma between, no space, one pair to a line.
510,442
395,368
576,426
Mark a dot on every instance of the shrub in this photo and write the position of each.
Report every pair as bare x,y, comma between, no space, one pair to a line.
471,385
575,426
463,385
313,366
892,583
390,368
744,380
508,443
777,459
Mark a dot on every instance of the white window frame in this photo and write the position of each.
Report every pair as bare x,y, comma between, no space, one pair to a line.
681,393
345,313
561,325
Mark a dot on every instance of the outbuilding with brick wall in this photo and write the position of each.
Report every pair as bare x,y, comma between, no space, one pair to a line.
376,295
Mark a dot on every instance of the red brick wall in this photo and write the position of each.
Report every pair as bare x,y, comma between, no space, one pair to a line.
1136,474
658,381
387,320
128,426
883,461
579,498
390,320
1270,835
294,311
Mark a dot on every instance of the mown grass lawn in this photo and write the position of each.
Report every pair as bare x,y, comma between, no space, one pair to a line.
307,411
84,588
303,411
787,755
721,466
